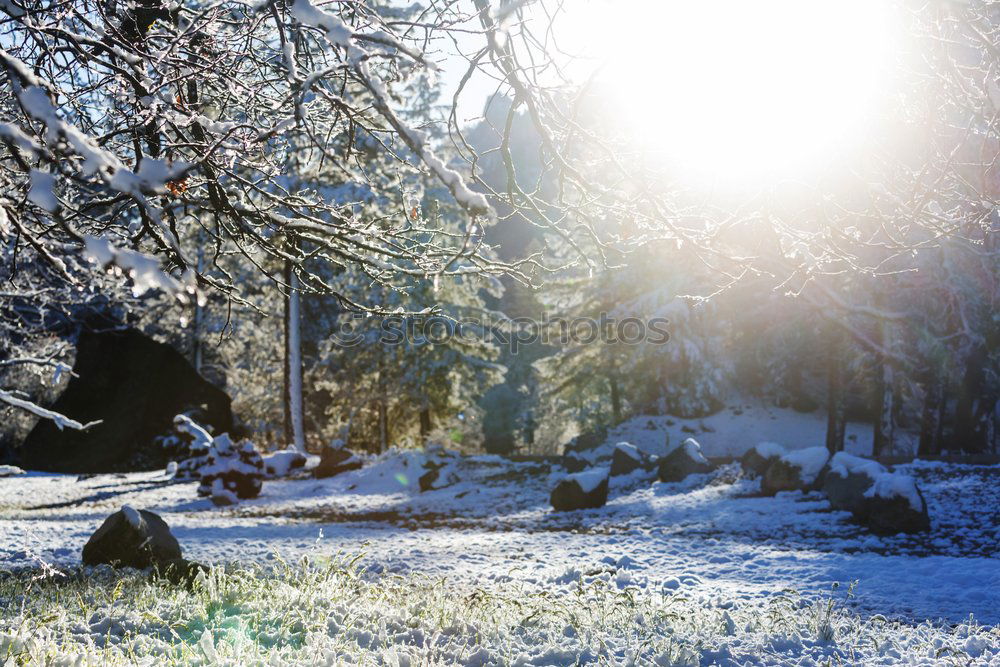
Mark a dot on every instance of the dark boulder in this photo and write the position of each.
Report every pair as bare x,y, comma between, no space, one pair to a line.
760,457
893,505
627,458
574,463
798,470
685,459
583,490
335,459
131,538
847,479
232,472
134,386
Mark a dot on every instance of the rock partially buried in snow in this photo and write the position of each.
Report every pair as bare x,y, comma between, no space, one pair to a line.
10,471
232,472
683,460
131,538
282,462
847,479
760,457
893,505
335,459
582,490
799,470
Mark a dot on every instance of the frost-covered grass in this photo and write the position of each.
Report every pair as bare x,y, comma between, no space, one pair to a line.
330,611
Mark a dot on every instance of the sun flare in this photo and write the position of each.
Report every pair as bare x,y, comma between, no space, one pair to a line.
740,92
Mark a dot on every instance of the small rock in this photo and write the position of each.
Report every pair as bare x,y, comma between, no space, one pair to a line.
760,457
626,459
583,490
282,462
237,468
799,470
335,459
685,459
893,505
131,538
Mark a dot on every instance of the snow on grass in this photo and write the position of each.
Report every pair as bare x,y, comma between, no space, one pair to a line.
327,610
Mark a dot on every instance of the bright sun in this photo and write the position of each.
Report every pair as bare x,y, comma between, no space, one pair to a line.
739,92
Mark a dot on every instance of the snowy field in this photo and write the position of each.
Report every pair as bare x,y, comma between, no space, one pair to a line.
708,544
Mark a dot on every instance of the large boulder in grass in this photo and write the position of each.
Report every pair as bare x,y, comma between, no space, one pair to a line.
582,490
131,538
893,505
683,460
800,470
846,480
335,459
233,472
760,457
134,386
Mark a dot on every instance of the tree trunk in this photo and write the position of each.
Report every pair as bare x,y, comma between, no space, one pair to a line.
884,427
972,406
616,399
835,423
425,422
930,422
294,418
383,426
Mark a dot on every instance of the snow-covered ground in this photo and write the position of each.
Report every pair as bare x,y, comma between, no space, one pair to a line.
709,536
742,424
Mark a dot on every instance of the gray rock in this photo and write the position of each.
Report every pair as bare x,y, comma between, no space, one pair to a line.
626,459
686,459
335,460
575,493
887,512
799,470
760,457
131,538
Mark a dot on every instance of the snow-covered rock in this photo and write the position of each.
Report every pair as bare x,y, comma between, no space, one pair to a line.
893,504
283,462
131,538
335,459
10,471
573,463
626,459
233,471
582,490
847,479
187,446
682,460
799,470
760,457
